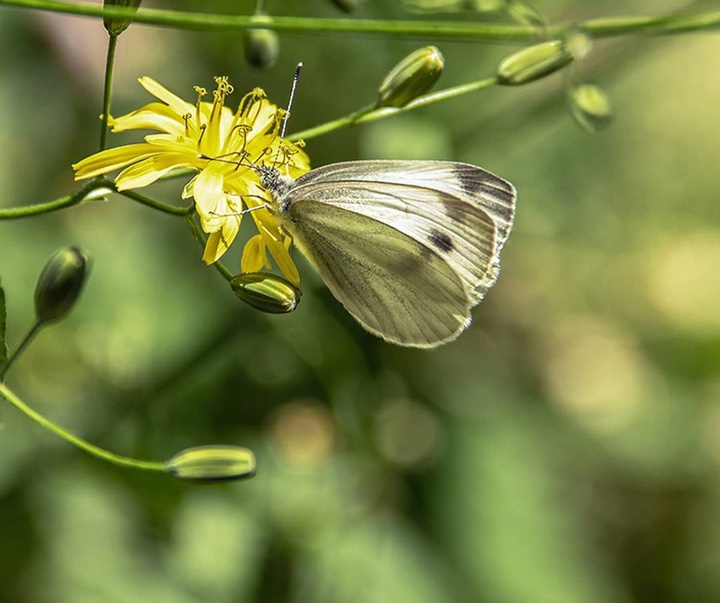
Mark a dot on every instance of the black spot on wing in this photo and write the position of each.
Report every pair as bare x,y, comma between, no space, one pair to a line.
441,240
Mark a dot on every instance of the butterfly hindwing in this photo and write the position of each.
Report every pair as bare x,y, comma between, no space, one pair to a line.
395,287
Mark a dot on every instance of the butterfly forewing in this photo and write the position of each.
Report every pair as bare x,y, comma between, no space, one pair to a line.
394,286
459,211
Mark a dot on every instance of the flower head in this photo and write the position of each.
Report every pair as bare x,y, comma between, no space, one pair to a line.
225,148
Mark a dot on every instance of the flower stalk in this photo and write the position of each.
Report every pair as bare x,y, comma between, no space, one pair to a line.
373,113
76,441
675,23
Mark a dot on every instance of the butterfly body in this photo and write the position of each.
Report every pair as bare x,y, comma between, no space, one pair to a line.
408,247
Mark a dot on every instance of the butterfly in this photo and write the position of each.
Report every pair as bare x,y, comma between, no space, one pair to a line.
408,247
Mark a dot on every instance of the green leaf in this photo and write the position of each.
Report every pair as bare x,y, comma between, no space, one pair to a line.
3,345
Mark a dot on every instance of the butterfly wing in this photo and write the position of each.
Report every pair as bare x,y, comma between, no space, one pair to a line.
393,286
458,210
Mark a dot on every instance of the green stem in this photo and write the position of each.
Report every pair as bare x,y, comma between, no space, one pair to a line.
84,192
107,92
29,336
168,209
336,124
80,195
434,30
372,113
76,441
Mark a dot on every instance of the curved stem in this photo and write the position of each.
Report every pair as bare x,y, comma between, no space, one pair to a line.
83,193
95,451
374,113
29,336
435,30
107,91
15,213
336,124
168,209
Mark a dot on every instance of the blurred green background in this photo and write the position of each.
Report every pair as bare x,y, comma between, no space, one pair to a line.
565,449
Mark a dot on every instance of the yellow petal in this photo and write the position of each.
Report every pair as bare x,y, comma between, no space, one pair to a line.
145,172
212,253
187,191
273,240
219,242
180,106
284,261
254,257
110,160
208,191
215,220
154,116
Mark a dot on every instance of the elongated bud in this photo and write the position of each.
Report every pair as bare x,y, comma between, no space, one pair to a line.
533,63
60,284
266,292
116,25
262,47
415,75
213,464
590,107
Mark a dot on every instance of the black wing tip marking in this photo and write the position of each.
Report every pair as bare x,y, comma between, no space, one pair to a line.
477,181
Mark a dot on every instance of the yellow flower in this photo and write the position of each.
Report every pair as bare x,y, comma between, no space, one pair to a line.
224,147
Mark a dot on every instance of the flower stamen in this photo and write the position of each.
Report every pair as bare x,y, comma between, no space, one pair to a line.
227,150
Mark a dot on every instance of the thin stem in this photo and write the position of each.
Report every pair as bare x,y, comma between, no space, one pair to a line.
373,113
435,30
168,209
107,92
95,451
29,336
330,126
75,198
83,193
440,95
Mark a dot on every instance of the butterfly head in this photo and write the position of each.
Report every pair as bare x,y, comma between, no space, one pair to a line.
276,183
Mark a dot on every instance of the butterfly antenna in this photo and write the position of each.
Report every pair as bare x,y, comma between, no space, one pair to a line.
296,77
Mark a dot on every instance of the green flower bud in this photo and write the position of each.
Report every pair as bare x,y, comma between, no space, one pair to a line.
212,464
533,63
346,6
60,284
415,75
590,107
115,25
266,292
262,47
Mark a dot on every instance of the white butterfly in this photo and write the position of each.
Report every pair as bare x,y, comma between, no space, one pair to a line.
408,247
